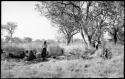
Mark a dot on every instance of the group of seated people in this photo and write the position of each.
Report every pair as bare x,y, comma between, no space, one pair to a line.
30,55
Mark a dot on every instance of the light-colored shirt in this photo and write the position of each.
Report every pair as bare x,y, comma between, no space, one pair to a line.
44,46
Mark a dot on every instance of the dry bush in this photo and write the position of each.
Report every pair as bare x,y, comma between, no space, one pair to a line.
13,48
14,51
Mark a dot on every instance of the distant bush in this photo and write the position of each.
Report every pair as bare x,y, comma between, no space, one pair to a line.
13,52
13,49
38,41
17,40
51,42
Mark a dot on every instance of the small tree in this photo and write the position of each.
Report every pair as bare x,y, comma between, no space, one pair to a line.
7,38
10,28
68,30
58,12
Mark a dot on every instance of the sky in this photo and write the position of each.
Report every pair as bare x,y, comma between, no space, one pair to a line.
29,21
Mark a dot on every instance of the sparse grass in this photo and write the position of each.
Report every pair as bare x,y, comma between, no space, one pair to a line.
78,68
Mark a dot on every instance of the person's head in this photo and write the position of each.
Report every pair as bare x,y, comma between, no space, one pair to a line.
44,42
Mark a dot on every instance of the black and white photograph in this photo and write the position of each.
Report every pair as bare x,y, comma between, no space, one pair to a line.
62,39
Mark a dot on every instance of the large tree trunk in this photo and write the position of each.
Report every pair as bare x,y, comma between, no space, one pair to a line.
84,30
82,34
90,40
85,37
68,40
115,36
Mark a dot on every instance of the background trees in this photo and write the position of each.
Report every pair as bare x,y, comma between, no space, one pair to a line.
27,39
10,28
68,14
89,18
17,40
7,38
117,22
38,41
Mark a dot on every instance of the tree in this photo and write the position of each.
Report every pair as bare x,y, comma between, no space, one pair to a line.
7,38
98,17
55,12
58,38
10,28
68,29
27,39
83,14
116,21
103,16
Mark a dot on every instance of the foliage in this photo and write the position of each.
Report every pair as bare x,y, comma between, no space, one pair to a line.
7,38
91,21
116,21
10,28
17,40
27,39
38,40
59,15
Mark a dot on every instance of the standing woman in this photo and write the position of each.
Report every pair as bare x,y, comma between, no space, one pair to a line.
44,51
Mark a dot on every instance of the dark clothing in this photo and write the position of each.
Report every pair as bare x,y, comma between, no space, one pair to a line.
44,50
29,55
44,53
